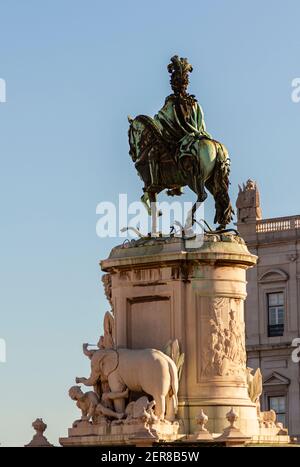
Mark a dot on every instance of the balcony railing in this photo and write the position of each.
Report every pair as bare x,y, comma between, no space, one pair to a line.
278,224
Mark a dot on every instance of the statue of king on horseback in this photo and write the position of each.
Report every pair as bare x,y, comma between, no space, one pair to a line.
173,149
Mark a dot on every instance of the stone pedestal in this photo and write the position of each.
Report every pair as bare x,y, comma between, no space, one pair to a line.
136,433
168,288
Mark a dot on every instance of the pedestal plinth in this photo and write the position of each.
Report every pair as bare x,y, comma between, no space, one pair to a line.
169,288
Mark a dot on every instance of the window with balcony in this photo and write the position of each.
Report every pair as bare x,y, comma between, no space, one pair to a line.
275,314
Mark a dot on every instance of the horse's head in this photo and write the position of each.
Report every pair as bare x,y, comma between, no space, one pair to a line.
135,132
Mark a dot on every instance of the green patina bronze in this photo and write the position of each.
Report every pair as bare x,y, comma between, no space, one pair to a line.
173,149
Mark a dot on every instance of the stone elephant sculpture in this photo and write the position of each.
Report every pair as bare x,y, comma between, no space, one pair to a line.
147,370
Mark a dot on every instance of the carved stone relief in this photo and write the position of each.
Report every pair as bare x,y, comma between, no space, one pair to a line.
226,352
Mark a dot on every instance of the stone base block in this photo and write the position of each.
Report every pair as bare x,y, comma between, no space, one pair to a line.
200,436
271,439
139,433
247,418
83,428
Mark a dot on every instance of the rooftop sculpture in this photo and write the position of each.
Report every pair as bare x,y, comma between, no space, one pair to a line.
173,150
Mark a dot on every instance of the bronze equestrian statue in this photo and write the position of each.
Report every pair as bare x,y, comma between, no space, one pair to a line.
173,149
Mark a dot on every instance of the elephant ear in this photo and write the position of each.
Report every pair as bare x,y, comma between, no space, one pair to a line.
109,362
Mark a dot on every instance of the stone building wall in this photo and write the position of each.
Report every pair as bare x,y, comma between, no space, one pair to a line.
272,312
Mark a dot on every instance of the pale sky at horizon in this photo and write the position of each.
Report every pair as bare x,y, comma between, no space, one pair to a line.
74,70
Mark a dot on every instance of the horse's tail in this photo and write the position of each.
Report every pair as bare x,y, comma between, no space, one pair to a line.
218,185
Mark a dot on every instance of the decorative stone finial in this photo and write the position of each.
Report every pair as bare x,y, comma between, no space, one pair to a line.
39,440
232,417
202,434
232,434
202,420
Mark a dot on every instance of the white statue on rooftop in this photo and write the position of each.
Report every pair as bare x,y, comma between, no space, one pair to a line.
248,202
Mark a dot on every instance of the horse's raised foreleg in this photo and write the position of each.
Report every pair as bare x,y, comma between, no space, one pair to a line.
149,199
146,202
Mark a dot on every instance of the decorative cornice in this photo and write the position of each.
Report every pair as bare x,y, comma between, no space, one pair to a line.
263,347
276,379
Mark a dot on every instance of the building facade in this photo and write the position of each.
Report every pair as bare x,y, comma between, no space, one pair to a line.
272,312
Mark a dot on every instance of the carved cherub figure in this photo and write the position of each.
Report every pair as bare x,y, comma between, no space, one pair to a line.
90,405
140,410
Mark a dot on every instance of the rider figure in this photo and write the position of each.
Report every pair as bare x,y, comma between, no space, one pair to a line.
180,122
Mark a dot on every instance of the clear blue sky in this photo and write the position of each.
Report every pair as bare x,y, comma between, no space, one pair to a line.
74,69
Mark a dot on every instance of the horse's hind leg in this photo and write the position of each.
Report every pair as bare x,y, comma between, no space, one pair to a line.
223,209
218,185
